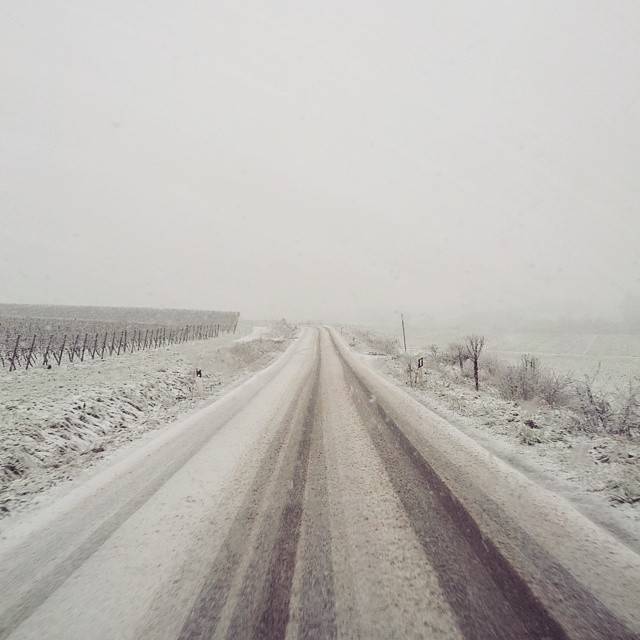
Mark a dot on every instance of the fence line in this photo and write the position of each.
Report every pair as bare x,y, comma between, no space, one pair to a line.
29,355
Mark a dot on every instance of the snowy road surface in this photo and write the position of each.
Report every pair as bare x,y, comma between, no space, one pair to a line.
317,500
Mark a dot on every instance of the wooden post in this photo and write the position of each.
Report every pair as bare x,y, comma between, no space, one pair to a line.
404,337
45,358
84,346
72,353
95,347
120,343
113,344
12,359
104,344
59,358
33,344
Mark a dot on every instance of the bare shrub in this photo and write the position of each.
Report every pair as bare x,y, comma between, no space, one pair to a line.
627,414
528,380
617,412
474,344
508,383
520,382
458,354
555,388
492,365
593,410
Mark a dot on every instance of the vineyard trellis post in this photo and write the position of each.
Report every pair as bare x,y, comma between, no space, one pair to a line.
59,358
72,353
84,346
12,358
33,344
120,343
45,357
95,347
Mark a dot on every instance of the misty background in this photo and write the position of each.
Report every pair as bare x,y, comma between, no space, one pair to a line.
461,162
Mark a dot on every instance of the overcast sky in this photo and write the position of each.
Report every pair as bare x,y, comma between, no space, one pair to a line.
331,160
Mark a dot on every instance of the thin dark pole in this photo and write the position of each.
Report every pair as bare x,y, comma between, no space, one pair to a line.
404,337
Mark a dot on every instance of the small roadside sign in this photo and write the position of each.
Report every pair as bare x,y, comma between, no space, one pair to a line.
420,363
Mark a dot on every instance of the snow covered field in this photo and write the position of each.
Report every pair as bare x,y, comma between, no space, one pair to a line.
615,357
54,422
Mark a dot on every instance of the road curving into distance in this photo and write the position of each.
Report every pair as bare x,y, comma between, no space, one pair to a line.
317,500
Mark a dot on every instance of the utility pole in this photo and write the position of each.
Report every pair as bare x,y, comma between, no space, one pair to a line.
404,337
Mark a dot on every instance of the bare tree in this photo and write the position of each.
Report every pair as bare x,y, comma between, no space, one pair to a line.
474,344
459,353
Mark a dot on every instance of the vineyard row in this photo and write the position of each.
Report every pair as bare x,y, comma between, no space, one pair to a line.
30,352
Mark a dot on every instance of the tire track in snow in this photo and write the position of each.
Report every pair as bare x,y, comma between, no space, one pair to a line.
313,600
489,598
72,542
248,590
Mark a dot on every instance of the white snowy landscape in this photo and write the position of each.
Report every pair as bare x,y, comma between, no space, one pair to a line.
320,320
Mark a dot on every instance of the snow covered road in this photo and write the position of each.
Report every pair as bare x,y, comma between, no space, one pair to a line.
317,500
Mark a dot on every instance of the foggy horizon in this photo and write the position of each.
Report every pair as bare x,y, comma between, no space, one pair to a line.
341,163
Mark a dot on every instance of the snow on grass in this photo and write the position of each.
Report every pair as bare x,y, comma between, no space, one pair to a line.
56,421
